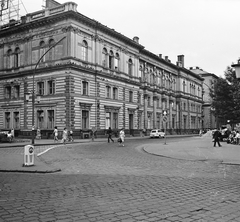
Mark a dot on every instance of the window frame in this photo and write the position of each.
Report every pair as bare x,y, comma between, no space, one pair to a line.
84,50
85,119
51,87
40,88
85,88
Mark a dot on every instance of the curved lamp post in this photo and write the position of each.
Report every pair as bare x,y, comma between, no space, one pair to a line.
33,89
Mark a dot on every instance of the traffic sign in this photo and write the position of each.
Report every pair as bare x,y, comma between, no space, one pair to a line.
165,118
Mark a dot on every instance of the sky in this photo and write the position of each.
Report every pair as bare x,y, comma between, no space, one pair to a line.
206,32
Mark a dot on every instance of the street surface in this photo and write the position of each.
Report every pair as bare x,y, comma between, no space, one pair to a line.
104,182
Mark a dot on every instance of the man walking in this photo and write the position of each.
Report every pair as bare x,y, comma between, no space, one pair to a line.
109,132
216,136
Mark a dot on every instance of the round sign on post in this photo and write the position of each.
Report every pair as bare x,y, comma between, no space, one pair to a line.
165,119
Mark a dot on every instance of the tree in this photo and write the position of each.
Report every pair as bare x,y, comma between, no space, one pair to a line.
226,96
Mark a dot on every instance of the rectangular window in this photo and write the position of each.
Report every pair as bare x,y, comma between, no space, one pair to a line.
84,53
40,88
108,120
85,119
108,91
8,92
51,87
16,91
149,101
173,122
116,64
158,122
16,124
115,121
115,93
50,117
130,96
42,51
85,88
7,120
40,119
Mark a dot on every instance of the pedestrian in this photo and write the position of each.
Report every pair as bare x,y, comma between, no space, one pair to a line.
200,132
10,136
121,137
64,135
38,134
237,137
216,137
143,132
12,132
71,136
109,133
55,134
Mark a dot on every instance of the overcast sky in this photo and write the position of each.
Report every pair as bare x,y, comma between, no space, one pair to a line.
206,32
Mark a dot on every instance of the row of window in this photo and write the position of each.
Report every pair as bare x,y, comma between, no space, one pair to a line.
43,88
48,88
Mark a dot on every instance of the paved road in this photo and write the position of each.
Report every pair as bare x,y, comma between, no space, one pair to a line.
104,182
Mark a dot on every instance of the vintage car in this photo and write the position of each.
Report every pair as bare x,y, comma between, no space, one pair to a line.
157,133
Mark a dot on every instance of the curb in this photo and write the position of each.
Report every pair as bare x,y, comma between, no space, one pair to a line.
31,171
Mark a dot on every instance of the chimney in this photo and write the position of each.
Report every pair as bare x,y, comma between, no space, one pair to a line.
180,60
160,55
136,39
166,58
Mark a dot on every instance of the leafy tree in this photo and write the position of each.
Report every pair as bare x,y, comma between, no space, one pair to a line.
226,96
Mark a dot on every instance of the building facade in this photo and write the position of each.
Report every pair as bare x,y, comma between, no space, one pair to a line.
89,77
210,121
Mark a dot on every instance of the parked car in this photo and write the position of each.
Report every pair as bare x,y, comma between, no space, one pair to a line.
157,133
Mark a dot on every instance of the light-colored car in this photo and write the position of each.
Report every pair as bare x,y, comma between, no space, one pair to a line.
157,133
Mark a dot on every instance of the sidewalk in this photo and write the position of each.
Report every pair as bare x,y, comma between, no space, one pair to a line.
197,149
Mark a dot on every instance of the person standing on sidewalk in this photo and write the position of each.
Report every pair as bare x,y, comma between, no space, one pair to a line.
55,134
109,133
122,136
71,136
216,136
64,135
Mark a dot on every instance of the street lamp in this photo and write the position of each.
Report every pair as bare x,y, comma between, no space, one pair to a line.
33,89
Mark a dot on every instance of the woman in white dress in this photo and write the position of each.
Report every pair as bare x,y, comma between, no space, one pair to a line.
122,136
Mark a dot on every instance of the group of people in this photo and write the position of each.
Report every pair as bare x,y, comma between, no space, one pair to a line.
231,137
234,137
120,138
66,135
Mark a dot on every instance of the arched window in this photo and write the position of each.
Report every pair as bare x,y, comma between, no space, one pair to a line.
116,62
17,57
84,51
42,50
111,60
52,51
141,72
9,59
184,86
130,67
104,57
151,79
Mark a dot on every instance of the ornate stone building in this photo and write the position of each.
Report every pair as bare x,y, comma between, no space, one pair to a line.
89,76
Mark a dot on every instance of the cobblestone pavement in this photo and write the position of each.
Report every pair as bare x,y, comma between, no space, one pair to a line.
104,182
